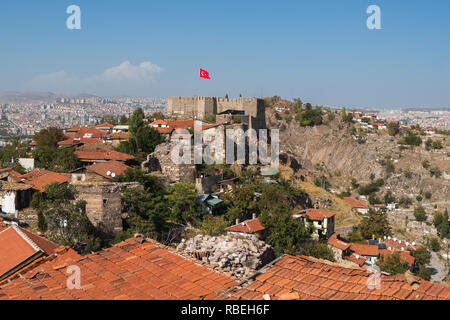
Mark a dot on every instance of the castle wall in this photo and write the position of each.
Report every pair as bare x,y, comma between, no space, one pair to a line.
199,107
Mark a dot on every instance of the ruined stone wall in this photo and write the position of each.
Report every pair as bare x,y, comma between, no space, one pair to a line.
103,204
161,161
233,254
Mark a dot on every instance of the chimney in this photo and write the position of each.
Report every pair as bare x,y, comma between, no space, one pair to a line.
254,216
237,220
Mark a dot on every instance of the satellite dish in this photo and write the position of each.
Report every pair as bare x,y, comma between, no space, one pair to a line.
108,173
389,238
113,174
403,249
413,243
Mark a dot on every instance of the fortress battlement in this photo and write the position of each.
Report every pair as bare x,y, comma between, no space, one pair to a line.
201,106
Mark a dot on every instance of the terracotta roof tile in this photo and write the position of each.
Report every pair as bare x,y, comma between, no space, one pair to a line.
334,281
38,180
317,214
113,166
124,271
103,155
20,247
365,249
354,203
248,226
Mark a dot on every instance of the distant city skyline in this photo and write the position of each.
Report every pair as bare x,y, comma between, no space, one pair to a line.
319,51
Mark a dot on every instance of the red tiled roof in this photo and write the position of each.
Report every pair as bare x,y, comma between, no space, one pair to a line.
91,131
113,166
128,270
163,130
308,278
355,259
75,141
33,144
181,123
354,203
103,155
20,247
119,136
335,242
399,244
248,226
39,182
33,174
159,121
105,125
317,214
365,249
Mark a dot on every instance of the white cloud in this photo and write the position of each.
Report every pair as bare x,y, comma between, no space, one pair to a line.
125,78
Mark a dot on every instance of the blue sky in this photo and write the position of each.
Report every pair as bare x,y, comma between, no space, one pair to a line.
318,50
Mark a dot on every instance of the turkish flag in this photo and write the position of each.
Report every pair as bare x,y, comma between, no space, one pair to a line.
204,74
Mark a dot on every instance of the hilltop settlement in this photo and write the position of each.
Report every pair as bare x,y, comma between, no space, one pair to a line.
357,210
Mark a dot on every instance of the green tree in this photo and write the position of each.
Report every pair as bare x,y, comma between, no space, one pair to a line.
15,149
49,137
182,203
437,144
286,233
317,250
441,223
392,264
375,223
123,120
213,226
420,214
64,160
44,156
64,219
389,197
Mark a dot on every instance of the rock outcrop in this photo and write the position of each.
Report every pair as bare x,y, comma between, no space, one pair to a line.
233,254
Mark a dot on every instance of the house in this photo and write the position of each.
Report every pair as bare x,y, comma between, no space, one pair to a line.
339,247
72,142
117,137
321,220
209,203
430,131
135,269
308,278
21,248
248,228
92,157
101,172
38,179
357,205
120,128
14,196
107,127
367,251
379,207
159,124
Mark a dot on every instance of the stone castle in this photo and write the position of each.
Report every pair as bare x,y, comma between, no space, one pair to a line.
200,107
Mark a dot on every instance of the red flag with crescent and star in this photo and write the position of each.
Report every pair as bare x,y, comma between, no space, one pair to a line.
204,74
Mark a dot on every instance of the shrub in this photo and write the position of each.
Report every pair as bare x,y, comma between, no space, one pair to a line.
420,213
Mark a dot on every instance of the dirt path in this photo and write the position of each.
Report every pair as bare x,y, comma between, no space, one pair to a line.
437,267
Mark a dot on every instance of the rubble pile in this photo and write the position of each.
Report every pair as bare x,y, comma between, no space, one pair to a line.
240,256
